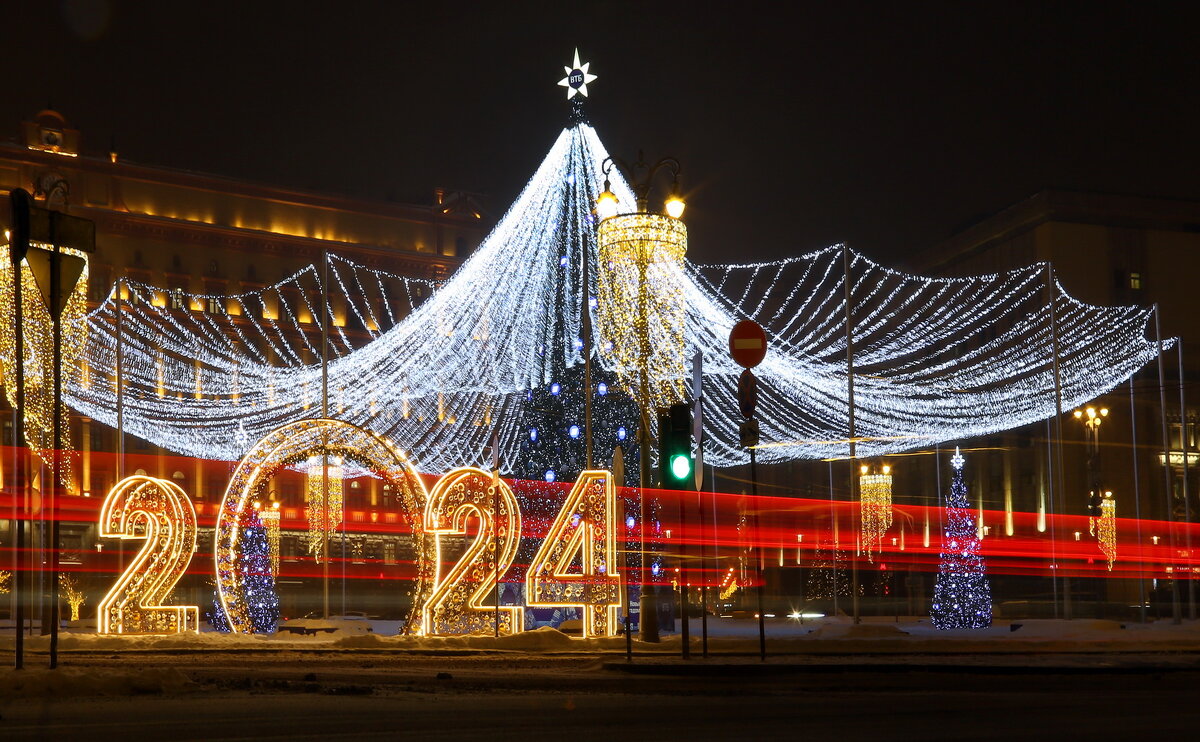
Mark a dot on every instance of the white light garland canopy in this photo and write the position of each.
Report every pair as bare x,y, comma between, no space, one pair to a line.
446,366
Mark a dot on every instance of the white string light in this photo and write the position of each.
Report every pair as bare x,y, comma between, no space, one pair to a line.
440,370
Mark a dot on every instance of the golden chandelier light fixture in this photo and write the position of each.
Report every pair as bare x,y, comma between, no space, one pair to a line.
323,518
875,503
640,309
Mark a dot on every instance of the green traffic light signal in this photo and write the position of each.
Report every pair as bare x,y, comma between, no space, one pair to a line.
681,466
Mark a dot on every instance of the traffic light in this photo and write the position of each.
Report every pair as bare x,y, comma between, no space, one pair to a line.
675,462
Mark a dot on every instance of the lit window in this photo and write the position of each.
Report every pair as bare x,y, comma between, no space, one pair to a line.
212,305
177,299
1135,281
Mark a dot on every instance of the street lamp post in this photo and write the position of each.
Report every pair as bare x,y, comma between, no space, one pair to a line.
1091,419
634,249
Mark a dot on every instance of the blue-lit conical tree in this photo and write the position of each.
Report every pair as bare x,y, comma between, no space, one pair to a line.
258,581
962,598
553,427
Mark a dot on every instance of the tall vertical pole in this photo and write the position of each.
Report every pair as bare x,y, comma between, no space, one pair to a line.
19,444
1059,478
833,541
56,439
1187,507
762,627
325,441
496,526
852,431
588,393
118,308
1176,611
1137,503
648,617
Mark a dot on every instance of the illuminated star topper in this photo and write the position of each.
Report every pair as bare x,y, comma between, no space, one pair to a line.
577,78
957,459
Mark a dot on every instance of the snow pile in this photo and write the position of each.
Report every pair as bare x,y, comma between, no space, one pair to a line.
70,681
843,630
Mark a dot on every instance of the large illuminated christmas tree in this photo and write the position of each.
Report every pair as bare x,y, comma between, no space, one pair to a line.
962,598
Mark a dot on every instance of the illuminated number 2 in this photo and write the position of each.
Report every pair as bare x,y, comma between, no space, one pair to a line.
455,606
586,526
160,512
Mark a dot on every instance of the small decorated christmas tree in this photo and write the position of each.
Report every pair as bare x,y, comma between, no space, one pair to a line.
962,598
258,582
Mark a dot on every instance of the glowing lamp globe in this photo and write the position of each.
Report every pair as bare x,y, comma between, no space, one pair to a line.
681,466
675,207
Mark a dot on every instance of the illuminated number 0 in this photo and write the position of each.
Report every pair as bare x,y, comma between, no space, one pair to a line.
455,606
160,512
586,526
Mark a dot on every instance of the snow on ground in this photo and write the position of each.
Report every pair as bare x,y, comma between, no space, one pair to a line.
820,636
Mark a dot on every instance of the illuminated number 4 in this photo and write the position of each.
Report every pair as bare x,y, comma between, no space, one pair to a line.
160,512
455,606
576,565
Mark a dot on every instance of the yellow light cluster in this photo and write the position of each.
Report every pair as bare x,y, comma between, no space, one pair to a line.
641,307
159,512
296,443
1106,529
74,596
323,521
270,520
456,603
586,526
875,507
39,353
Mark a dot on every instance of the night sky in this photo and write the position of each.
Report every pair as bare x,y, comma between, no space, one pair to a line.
887,126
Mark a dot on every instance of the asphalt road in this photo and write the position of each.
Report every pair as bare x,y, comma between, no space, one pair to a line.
367,696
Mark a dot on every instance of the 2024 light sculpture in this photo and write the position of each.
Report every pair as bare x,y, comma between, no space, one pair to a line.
160,513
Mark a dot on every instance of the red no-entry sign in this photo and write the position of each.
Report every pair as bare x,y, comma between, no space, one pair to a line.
747,343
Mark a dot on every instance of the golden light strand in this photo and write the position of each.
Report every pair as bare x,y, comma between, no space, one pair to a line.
875,503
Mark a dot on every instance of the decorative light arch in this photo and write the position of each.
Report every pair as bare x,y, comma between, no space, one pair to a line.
290,444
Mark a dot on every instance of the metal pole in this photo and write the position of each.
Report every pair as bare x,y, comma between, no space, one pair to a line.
56,439
1060,482
325,440
833,542
703,570
587,361
21,523
1176,611
762,626
1137,503
1187,507
648,618
853,433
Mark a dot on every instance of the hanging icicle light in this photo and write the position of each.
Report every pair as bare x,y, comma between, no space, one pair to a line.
1106,528
875,503
270,520
323,518
39,355
642,309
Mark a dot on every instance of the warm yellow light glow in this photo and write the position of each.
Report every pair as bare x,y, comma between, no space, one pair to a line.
39,354
640,308
270,520
72,594
323,518
1106,529
607,204
586,527
456,602
675,207
158,511
875,506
